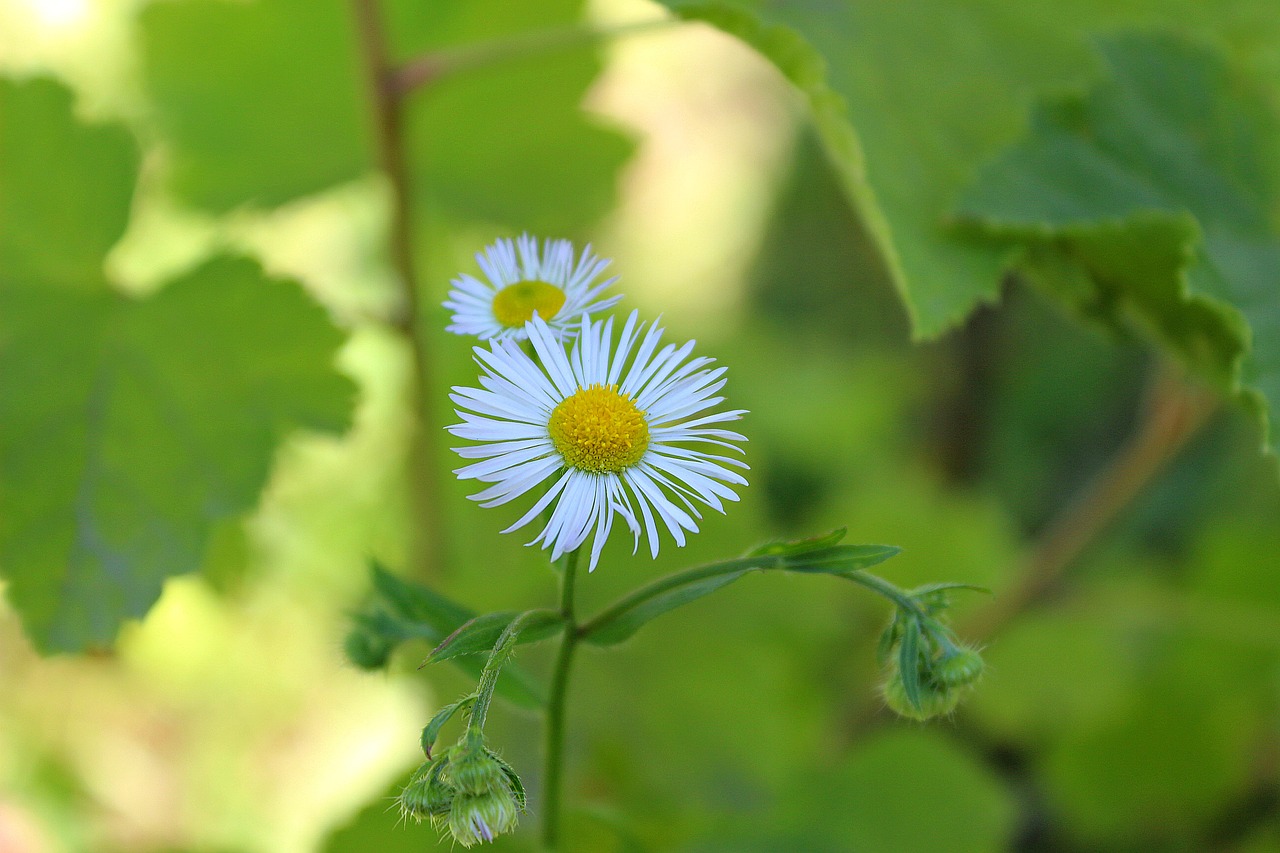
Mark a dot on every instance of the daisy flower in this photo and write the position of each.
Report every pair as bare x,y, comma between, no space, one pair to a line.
521,283
614,430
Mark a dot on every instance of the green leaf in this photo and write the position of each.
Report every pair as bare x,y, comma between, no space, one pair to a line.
789,547
260,102
65,188
480,634
909,661
406,611
1151,197
908,791
935,89
417,603
130,429
628,615
432,730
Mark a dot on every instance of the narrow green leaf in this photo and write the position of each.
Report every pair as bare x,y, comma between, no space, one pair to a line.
406,611
479,634
909,662
628,615
432,730
799,546
944,586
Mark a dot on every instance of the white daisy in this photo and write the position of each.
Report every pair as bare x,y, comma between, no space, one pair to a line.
550,285
610,429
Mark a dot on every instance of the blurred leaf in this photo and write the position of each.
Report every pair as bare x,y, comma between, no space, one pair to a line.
629,615
1181,754
905,791
418,603
509,142
482,632
129,430
1126,182
260,102
931,102
406,611
65,188
1053,672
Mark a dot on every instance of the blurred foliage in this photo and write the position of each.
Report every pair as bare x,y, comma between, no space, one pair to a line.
1045,156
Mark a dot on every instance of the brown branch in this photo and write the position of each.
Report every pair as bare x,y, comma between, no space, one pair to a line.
388,120
430,67
1173,412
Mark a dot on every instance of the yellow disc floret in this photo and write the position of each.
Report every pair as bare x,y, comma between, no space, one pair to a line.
514,305
599,429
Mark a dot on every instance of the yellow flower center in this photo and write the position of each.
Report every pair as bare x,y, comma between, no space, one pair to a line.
599,429
514,305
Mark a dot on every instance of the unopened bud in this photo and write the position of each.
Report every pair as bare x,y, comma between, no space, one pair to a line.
427,795
474,818
959,668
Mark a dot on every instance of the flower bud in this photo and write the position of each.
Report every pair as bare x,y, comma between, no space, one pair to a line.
474,818
427,794
959,668
473,768
936,699
367,650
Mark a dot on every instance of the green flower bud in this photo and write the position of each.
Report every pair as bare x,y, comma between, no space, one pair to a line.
469,792
474,818
961,667
367,650
473,768
427,795
935,700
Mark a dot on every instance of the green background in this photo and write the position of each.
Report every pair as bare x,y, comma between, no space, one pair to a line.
950,254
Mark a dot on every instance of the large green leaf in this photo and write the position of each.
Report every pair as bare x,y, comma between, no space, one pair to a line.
1152,196
65,187
935,89
129,429
260,102
264,101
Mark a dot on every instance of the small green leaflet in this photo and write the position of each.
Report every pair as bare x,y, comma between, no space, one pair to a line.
1153,197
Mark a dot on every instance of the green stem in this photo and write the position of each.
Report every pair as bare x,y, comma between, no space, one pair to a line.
885,589
553,773
502,651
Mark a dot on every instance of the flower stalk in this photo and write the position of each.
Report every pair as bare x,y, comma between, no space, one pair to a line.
553,774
